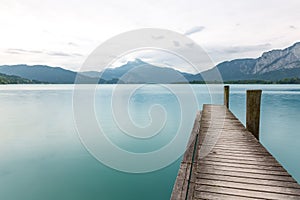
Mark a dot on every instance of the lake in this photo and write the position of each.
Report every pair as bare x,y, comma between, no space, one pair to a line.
42,156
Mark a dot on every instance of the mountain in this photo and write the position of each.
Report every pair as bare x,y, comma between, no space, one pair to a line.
232,70
138,71
271,61
45,73
7,79
40,73
272,65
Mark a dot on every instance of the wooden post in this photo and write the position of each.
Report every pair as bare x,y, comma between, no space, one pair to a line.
226,96
253,111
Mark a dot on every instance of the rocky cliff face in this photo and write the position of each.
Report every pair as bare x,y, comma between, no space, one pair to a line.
272,65
288,58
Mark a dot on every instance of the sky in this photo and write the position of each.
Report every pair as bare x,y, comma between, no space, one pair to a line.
64,32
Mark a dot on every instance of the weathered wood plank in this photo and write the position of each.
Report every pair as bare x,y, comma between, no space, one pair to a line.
240,165
249,186
217,196
248,158
239,153
247,175
204,166
244,192
182,181
242,162
248,180
230,163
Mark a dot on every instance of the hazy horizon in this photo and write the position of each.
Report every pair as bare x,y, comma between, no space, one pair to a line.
129,58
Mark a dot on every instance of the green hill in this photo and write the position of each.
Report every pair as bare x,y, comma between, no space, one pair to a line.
10,79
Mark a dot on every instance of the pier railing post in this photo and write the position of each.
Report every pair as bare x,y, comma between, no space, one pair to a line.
253,111
226,96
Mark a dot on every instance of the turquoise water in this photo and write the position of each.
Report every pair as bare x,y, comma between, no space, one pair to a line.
42,157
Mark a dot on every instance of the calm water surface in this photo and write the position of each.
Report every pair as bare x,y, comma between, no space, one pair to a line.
41,156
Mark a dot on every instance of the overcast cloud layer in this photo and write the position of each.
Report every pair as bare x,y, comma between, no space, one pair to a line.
63,33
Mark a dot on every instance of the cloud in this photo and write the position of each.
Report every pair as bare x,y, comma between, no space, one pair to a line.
176,43
73,44
157,37
49,53
57,53
242,48
190,45
220,53
20,51
168,64
194,29
76,54
292,27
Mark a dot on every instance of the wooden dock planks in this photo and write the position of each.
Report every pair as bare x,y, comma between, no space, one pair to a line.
184,174
227,162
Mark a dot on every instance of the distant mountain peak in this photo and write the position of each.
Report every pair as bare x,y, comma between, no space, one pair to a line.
136,62
278,59
276,64
297,45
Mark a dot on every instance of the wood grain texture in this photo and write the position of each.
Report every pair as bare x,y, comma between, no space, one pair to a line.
226,96
230,163
253,111
183,178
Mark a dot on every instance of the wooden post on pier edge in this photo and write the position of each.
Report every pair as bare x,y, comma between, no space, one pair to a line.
226,96
253,111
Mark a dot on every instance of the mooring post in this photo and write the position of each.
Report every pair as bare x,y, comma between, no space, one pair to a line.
226,96
253,111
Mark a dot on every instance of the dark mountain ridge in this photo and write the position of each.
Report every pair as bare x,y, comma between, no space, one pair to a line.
273,65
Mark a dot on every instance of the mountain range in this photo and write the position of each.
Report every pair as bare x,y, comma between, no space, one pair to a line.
273,65
10,79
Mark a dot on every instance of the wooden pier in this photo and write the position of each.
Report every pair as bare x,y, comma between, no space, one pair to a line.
226,161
